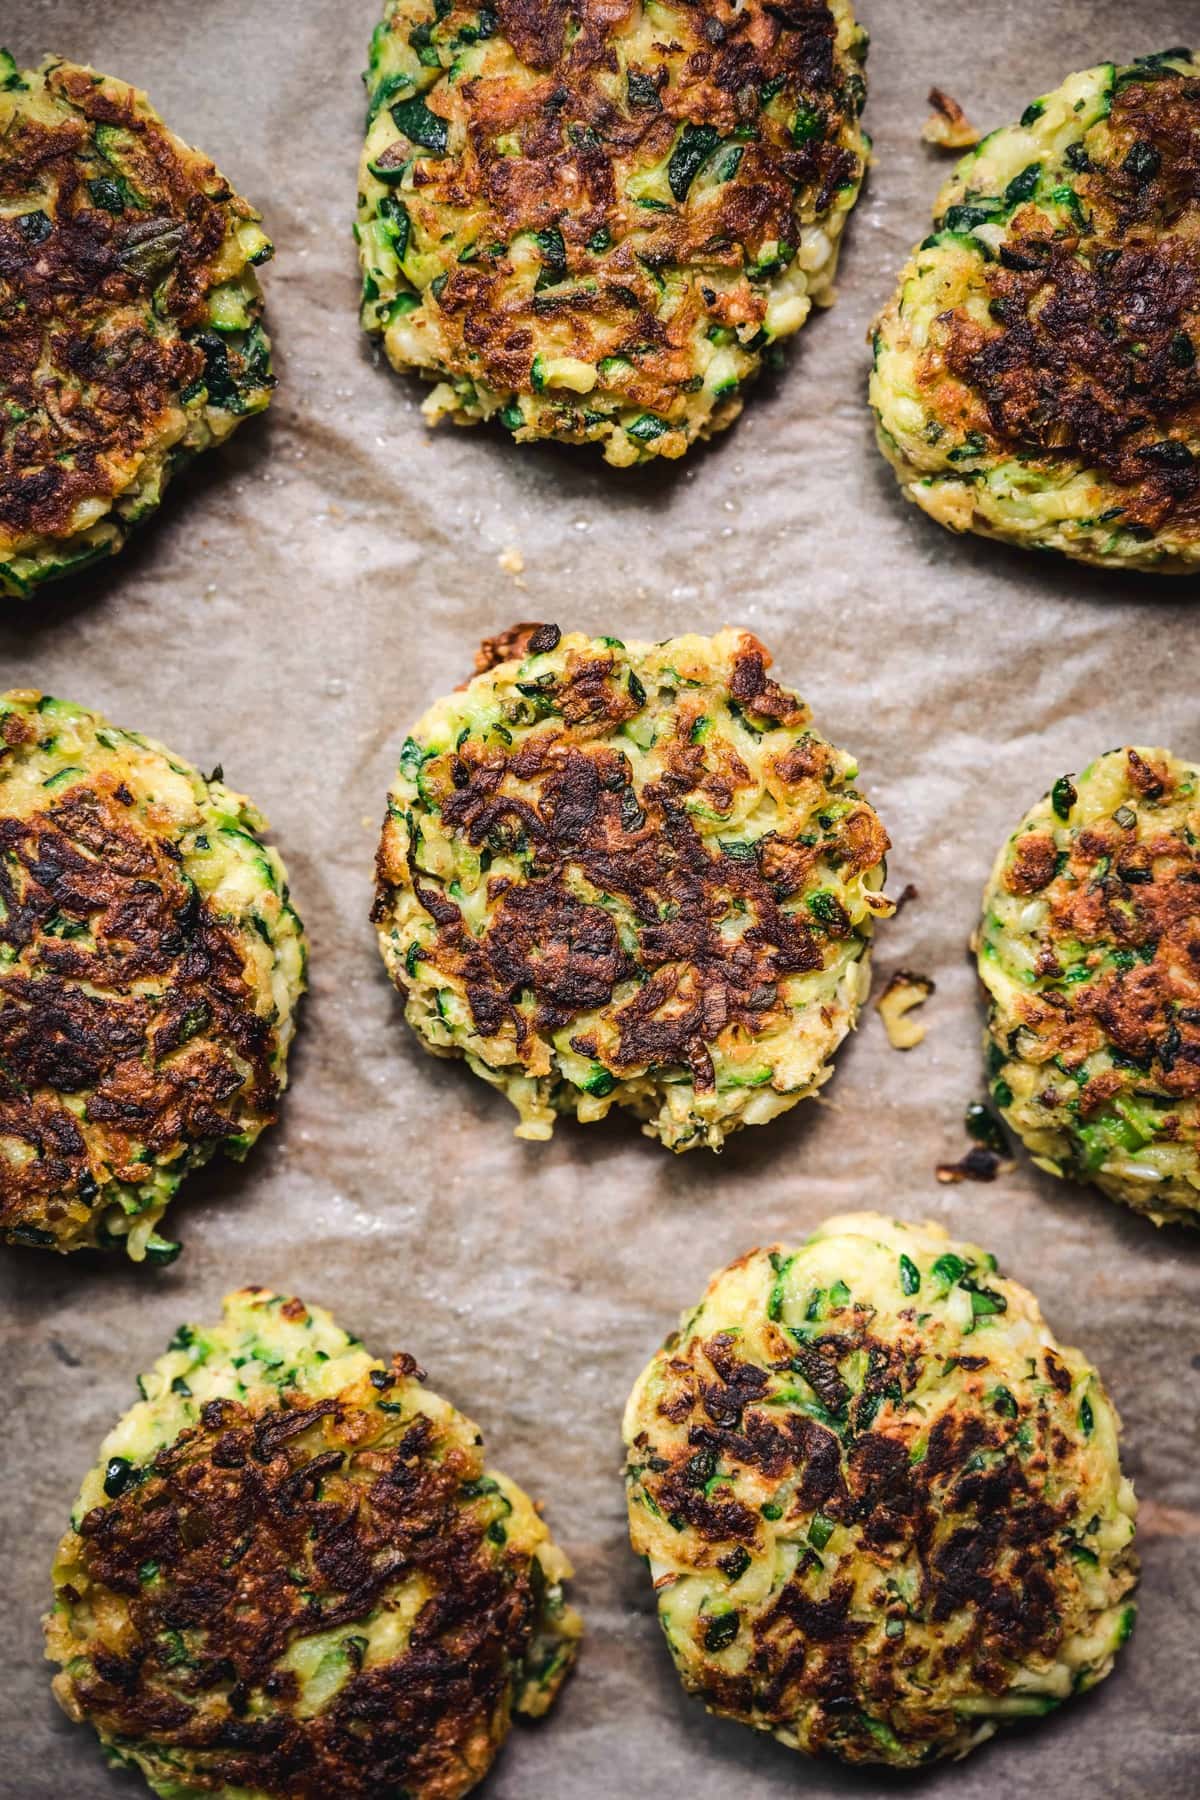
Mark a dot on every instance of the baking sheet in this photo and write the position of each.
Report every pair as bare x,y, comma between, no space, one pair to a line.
296,605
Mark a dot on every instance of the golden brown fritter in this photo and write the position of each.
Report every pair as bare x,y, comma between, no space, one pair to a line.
297,1577
129,334
149,963
882,1508
1090,952
590,220
630,875
1039,379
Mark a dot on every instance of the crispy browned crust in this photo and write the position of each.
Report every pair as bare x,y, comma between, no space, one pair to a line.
1033,864
514,644
543,939
1091,353
76,289
150,1019
1144,897
994,1570
578,145
271,1527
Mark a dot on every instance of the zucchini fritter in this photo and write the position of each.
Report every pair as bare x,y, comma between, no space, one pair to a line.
630,875
882,1508
1089,950
1036,375
291,1575
150,966
129,315
593,221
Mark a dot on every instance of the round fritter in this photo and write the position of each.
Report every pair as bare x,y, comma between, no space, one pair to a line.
630,875
1036,376
593,220
1089,949
882,1507
150,965
129,315
291,1575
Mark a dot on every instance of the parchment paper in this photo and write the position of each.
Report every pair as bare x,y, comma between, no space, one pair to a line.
293,609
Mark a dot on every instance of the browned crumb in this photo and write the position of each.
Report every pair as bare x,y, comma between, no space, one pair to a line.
979,1164
902,995
948,126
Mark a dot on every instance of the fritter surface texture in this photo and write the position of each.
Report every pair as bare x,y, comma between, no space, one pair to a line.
1089,949
150,965
291,1575
129,315
591,221
1037,376
630,875
882,1508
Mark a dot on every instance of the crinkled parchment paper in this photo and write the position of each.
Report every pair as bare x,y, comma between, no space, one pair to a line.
292,610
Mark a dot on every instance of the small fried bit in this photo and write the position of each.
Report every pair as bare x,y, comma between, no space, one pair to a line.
902,995
979,1164
948,127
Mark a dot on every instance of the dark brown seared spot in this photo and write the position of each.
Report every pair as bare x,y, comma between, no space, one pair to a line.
271,1529
973,1516
548,955
1096,353
1149,780
123,989
579,148
101,300
1033,863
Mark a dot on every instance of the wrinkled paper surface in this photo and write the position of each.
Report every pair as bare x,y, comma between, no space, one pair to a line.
296,605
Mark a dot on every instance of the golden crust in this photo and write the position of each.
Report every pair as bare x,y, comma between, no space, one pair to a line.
324,1522
572,139
1090,950
140,1027
113,237
882,1507
616,914
292,1574
1038,375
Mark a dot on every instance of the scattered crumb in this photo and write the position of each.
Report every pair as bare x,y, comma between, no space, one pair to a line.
979,1164
948,126
907,896
368,823
511,561
990,1152
902,995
